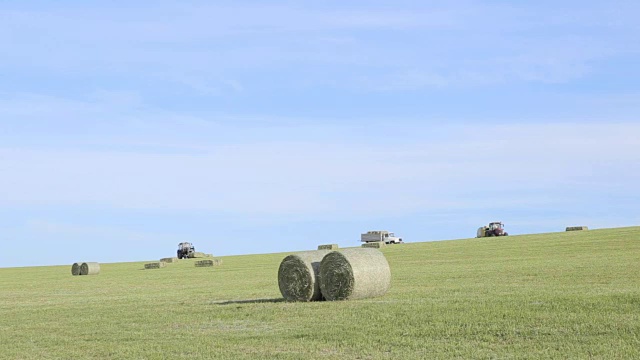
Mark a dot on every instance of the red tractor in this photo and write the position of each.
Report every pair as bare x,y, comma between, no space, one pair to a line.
495,228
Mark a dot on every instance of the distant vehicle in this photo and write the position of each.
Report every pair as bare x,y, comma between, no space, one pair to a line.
495,228
186,250
380,236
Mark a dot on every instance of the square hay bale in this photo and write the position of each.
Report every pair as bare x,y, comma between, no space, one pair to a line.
328,247
199,254
155,265
208,263
169,260
375,245
576,228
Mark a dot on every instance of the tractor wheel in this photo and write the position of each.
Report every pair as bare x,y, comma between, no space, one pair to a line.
506,234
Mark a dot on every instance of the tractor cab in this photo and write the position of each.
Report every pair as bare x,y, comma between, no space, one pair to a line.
185,249
496,225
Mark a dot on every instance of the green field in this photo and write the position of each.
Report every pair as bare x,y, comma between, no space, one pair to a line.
573,295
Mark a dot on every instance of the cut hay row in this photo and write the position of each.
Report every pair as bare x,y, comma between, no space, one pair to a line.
89,268
328,247
169,260
576,228
155,265
75,269
354,274
298,276
375,245
208,263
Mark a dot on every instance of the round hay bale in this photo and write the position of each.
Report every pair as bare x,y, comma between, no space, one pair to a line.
90,268
356,273
298,276
75,269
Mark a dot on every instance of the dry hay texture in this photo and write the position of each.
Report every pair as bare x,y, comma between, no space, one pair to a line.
208,263
75,269
328,247
155,265
169,260
298,276
356,273
577,228
375,245
89,268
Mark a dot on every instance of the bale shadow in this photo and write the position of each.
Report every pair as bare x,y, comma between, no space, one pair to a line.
251,301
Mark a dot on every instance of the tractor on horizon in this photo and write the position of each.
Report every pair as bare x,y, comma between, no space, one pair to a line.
186,250
495,228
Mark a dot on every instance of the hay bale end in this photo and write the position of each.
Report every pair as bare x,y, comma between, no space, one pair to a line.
75,269
298,276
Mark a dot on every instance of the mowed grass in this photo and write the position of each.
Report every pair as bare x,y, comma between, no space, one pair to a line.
572,295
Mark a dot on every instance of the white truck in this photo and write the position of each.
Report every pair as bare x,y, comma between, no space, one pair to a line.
380,236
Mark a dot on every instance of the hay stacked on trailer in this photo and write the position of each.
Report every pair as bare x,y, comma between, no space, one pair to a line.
357,273
89,268
374,244
298,276
328,247
155,265
75,269
169,260
576,228
208,263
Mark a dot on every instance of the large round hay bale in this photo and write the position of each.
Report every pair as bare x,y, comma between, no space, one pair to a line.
90,268
298,276
75,269
356,273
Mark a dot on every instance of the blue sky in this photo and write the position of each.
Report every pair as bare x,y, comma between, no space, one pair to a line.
253,127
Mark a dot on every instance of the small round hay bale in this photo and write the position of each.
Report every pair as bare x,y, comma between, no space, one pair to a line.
75,269
89,268
298,276
375,245
356,273
328,247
